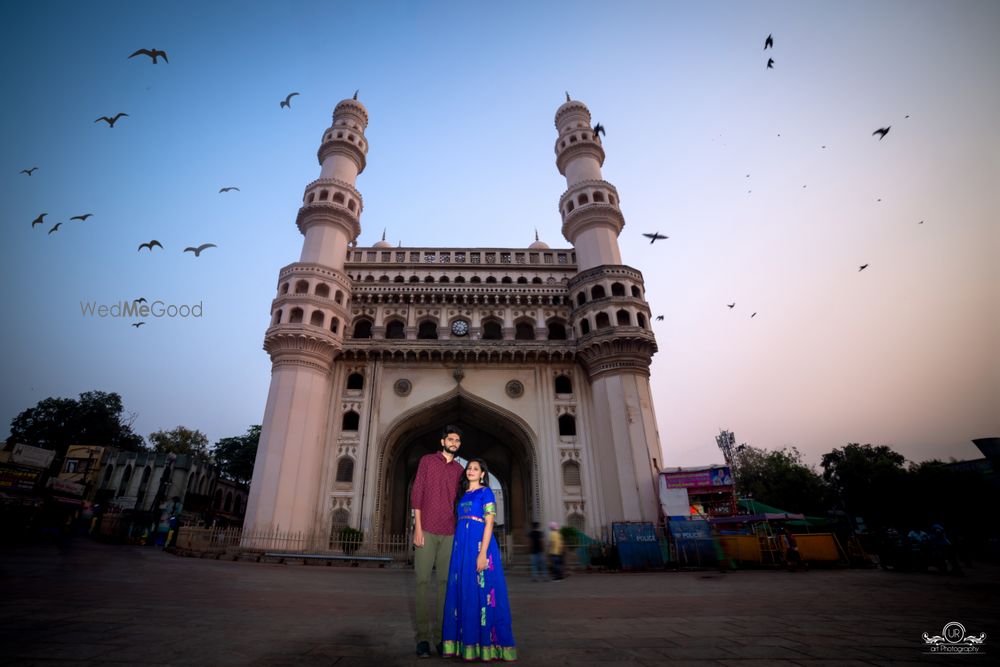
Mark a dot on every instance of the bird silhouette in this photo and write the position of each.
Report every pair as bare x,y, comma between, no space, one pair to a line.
229,188
599,129
149,245
921,222
203,246
138,324
111,121
56,228
770,63
655,236
881,132
906,116
659,318
39,220
28,171
141,299
287,102
82,217
152,53
731,305
769,43
862,267
754,315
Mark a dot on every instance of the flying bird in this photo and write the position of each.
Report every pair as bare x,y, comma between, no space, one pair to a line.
659,318
655,236
39,220
152,53
769,43
82,217
149,245
28,171
203,246
862,267
599,129
921,222
881,132
111,121
731,305
287,102
754,315
229,188
138,324
141,299
770,63
906,116
56,228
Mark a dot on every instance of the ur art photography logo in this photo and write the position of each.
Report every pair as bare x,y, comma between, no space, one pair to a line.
953,639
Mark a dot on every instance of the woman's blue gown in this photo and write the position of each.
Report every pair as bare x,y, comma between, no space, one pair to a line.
476,624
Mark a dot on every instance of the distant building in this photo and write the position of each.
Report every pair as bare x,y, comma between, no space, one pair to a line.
132,481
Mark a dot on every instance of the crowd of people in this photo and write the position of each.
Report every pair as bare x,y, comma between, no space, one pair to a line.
919,550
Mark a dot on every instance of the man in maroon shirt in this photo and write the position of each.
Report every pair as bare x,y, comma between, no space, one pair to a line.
435,492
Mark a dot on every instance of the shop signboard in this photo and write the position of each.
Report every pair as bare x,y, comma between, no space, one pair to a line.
65,487
18,478
697,478
124,502
36,457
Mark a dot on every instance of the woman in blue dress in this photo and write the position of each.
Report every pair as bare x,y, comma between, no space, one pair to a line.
476,624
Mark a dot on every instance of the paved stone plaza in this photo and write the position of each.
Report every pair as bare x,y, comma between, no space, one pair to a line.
99,604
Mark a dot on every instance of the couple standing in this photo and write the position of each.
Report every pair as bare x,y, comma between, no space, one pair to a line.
455,511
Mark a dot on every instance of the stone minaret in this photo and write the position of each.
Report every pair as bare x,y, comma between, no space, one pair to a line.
612,322
306,334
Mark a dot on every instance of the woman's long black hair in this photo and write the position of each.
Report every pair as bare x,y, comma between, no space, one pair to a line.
482,466
464,486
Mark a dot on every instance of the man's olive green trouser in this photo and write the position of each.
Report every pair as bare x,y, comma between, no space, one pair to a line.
436,553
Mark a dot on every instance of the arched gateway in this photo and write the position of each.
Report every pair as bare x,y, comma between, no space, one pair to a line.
540,355
497,436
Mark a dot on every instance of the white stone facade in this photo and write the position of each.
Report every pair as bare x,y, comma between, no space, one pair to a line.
540,355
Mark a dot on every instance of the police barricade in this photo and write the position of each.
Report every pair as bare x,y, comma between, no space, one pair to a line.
638,546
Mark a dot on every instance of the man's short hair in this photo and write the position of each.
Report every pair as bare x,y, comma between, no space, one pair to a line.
450,428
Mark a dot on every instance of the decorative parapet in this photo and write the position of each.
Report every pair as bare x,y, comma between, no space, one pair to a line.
301,344
617,349
422,257
328,212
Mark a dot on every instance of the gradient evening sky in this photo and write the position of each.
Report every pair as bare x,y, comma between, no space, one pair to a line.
461,97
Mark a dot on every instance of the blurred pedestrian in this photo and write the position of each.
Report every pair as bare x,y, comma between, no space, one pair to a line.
536,540
555,552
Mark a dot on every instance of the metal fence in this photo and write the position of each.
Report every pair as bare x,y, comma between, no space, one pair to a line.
235,541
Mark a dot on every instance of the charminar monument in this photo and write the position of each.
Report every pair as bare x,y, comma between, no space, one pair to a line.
541,355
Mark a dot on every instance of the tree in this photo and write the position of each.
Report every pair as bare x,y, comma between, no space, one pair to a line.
869,481
181,440
236,455
779,478
96,418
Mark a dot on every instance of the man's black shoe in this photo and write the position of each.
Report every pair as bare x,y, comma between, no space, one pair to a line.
423,650
440,649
